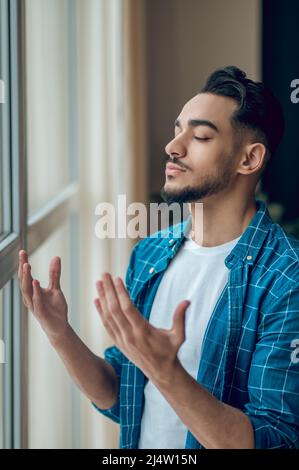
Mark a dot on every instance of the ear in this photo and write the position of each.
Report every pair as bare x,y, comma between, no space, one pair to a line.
254,158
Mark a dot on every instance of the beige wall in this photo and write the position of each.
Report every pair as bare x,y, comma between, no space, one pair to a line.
186,40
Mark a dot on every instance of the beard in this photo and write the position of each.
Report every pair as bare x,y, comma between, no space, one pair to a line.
208,186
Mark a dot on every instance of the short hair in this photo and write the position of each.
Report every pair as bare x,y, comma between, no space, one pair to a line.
259,110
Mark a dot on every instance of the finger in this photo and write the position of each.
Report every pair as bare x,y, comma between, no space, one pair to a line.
110,330
113,304
126,304
27,289
23,258
37,296
179,320
54,273
107,318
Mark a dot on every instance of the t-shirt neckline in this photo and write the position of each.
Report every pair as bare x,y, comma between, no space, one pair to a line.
224,247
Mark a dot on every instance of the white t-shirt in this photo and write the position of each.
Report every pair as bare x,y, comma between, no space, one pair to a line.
196,273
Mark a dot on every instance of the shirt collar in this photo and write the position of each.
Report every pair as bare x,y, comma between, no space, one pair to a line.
248,246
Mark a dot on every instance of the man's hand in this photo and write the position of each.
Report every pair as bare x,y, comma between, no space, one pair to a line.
47,304
153,350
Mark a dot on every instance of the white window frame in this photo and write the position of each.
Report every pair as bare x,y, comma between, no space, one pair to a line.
30,232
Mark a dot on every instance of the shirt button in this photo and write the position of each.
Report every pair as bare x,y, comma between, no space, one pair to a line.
151,270
249,257
171,242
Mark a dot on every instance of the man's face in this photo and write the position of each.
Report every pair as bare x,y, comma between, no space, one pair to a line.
203,150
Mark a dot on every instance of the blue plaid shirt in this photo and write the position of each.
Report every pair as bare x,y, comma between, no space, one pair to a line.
248,358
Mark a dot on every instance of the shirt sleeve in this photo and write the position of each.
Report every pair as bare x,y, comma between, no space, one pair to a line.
113,355
273,383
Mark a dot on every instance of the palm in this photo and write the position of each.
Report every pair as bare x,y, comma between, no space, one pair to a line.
164,342
48,304
53,308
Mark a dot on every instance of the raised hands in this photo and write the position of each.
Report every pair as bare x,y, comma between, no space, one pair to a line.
153,350
47,304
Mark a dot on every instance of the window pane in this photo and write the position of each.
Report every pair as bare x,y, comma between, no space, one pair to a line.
50,388
48,84
5,194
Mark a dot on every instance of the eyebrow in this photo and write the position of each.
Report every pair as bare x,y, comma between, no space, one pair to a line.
197,122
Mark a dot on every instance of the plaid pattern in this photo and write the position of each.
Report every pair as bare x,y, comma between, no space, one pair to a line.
246,352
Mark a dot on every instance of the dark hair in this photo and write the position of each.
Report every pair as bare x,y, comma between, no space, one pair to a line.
259,110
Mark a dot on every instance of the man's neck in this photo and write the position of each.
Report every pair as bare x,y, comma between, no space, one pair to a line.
215,223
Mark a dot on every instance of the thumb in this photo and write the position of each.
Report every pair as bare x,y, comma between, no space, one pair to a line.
179,320
54,273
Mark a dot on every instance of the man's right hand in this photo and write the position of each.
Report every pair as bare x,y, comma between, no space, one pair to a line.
47,304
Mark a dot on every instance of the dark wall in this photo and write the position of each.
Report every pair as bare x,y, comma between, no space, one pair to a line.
280,65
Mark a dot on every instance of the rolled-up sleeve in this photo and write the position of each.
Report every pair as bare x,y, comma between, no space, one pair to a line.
273,383
114,356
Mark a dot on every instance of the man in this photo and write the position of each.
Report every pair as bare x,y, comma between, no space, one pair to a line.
204,334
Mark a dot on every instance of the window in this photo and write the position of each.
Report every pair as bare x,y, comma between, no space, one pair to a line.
5,368
5,199
47,376
38,202
48,81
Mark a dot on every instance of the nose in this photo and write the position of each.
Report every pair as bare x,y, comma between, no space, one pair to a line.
175,147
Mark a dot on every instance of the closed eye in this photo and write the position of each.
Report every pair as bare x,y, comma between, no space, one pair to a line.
202,138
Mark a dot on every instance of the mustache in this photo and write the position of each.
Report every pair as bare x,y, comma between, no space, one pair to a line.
176,161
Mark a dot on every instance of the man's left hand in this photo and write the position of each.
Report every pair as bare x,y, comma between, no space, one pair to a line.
153,350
